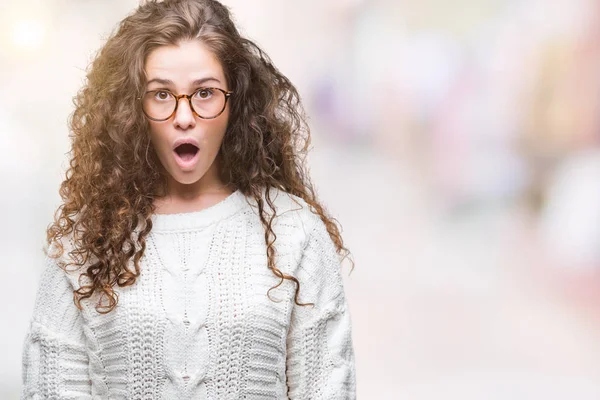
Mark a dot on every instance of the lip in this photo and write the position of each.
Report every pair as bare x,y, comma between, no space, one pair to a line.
186,165
185,140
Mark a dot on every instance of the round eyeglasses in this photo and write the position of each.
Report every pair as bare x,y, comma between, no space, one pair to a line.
205,102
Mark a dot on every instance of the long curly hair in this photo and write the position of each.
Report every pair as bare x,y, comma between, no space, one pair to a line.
113,178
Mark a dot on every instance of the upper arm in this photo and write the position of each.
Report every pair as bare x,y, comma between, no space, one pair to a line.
320,361
55,361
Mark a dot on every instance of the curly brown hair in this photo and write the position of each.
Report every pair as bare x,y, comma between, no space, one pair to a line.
113,178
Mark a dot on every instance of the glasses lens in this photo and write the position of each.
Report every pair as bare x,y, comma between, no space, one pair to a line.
208,103
158,104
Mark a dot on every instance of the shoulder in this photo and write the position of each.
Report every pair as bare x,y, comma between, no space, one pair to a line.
291,210
294,221
61,262
318,256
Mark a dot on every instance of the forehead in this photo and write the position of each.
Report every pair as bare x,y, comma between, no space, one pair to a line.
183,63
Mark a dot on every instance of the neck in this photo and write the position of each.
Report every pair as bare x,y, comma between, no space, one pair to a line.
208,190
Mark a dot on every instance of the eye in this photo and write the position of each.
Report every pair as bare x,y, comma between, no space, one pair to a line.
204,93
162,95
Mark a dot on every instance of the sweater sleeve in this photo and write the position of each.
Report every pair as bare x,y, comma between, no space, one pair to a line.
55,361
320,355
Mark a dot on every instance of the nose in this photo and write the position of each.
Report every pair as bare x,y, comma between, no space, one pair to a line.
184,117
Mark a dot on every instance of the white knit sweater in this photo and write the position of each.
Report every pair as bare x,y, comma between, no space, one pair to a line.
198,324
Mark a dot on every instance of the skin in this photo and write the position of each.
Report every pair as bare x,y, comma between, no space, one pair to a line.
201,187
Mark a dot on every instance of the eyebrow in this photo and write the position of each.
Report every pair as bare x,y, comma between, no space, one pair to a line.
170,82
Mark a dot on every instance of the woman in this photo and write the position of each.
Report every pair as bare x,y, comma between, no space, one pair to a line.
190,258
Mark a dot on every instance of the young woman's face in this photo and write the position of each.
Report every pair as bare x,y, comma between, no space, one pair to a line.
182,69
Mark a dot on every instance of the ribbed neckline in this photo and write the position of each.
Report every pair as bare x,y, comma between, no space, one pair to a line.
199,219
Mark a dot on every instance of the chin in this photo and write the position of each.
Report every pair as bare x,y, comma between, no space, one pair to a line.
187,180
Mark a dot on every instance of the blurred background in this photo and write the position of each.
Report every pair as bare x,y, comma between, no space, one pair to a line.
457,143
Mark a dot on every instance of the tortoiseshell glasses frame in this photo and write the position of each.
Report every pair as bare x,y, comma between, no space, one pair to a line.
177,97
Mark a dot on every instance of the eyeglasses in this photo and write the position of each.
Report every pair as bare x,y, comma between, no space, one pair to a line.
205,102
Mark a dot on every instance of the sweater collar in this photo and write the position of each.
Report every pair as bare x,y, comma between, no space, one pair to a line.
200,219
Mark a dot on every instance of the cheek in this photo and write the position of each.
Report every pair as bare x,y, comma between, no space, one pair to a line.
217,132
157,135
159,142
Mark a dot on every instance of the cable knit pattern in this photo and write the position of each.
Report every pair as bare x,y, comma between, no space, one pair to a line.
55,361
198,324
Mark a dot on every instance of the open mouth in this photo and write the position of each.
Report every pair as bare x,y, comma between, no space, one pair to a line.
186,151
